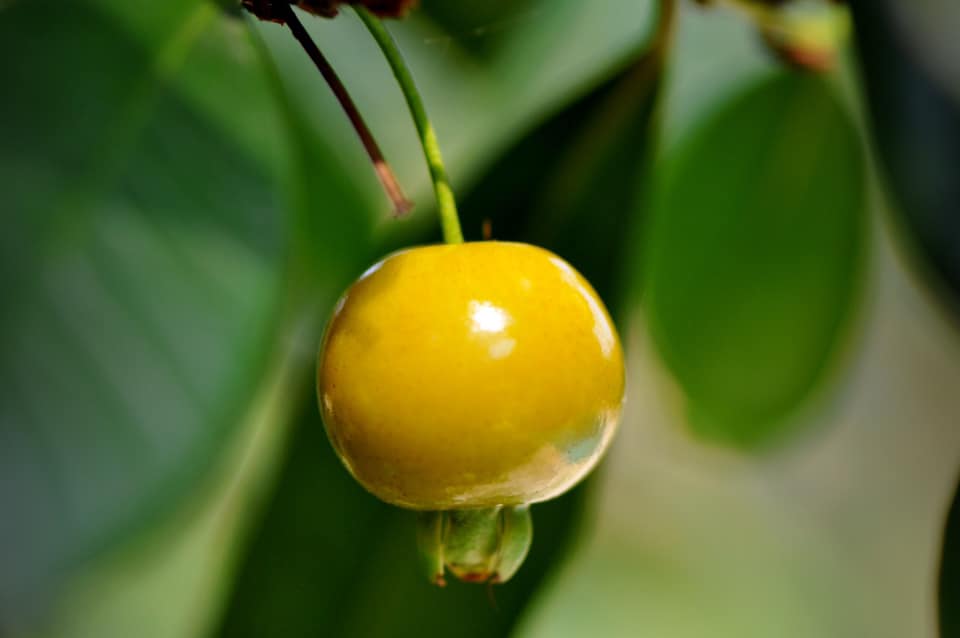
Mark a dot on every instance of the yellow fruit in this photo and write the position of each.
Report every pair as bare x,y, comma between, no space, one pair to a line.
470,375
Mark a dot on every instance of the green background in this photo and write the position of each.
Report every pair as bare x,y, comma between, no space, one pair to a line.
183,203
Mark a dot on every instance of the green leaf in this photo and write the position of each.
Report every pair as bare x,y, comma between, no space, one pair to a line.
479,26
184,561
144,290
753,255
149,208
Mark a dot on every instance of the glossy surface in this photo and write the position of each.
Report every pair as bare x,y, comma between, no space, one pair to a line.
470,375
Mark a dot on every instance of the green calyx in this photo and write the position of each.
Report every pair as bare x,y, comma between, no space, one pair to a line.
476,545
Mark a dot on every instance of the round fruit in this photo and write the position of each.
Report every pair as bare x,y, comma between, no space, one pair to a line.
470,375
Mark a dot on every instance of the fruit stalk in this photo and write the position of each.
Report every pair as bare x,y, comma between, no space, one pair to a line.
446,203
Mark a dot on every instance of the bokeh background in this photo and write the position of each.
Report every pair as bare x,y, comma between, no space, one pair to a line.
183,202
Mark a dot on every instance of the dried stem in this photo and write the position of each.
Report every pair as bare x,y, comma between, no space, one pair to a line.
386,175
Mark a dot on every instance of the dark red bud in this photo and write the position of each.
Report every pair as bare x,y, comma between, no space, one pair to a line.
270,9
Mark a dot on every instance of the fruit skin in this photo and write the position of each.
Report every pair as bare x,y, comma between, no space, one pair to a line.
470,375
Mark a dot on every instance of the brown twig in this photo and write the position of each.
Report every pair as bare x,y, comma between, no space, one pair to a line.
283,12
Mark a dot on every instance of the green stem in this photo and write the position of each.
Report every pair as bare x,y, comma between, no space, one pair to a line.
446,203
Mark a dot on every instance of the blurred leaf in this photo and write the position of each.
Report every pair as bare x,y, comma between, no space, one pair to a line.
753,255
170,582
716,53
143,264
916,123
563,51
143,289
479,26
